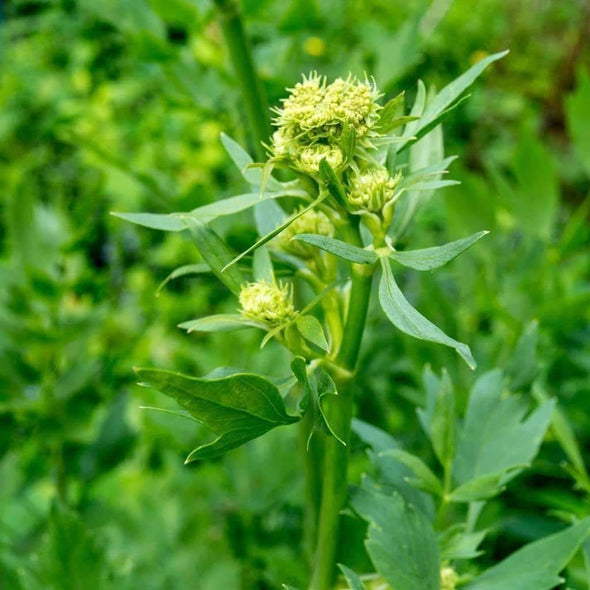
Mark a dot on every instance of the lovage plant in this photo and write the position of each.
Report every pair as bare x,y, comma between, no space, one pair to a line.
358,177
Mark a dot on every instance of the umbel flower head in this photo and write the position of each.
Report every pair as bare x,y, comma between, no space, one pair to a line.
372,189
311,222
267,302
313,118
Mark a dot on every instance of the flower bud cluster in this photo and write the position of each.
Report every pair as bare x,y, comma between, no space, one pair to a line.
267,302
372,189
448,578
311,222
313,117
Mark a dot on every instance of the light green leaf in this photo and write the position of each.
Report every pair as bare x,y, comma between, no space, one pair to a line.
311,329
537,564
161,221
495,436
578,118
269,236
262,266
430,258
243,161
426,480
339,248
482,487
354,581
455,543
400,541
444,101
236,408
407,319
442,427
377,439
523,365
221,323
182,271
216,254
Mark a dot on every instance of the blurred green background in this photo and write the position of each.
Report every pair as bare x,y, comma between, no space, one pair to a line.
118,105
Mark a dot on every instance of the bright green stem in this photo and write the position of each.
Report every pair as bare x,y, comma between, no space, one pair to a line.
339,410
243,64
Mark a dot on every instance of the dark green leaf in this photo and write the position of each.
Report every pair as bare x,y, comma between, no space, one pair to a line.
401,542
236,408
407,319
537,565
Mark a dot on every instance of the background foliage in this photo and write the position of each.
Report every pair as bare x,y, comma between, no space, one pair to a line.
118,106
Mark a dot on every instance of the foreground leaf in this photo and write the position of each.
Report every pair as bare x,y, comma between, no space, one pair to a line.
407,319
339,248
237,408
430,258
354,581
400,540
536,565
226,322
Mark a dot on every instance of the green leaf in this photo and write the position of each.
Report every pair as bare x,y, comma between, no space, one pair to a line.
482,487
354,581
182,271
407,319
236,408
221,323
262,268
537,564
269,236
316,387
578,118
311,329
523,365
441,423
444,101
243,161
425,479
495,436
339,248
332,182
377,439
400,541
455,543
430,258
216,254
161,221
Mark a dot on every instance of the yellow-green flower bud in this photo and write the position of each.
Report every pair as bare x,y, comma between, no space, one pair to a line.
448,578
308,159
311,222
267,302
372,189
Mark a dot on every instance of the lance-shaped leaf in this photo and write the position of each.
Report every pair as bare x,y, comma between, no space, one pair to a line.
407,319
537,565
353,579
430,258
236,408
216,254
447,98
332,182
400,541
183,271
226,322
243,161
179,221
269,236
339,248
496,437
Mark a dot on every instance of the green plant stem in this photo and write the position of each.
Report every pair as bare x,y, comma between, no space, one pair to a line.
339,413
241,57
